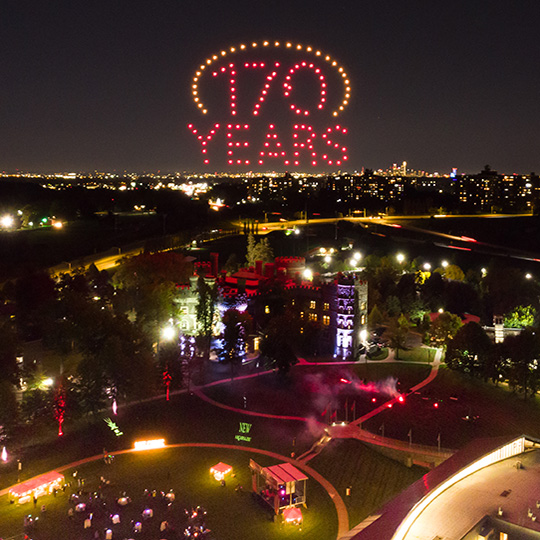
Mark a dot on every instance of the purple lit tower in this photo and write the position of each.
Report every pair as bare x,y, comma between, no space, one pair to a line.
351,315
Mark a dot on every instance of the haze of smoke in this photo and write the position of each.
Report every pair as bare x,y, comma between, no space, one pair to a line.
326,394
387,387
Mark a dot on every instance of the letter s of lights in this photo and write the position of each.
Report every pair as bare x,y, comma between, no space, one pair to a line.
229,62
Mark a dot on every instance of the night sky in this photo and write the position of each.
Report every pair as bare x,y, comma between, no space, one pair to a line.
106,85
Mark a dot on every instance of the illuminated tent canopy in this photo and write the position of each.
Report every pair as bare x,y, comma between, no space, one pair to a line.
220,470
292,515
281,486
40,485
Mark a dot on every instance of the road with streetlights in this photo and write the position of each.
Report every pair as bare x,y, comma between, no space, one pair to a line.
399,226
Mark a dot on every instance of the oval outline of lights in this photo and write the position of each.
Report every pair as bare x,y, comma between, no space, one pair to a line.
290,46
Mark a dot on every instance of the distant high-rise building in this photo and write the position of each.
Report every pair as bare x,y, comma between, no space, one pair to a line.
404,168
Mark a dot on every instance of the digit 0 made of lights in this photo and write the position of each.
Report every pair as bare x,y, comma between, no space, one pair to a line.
231,71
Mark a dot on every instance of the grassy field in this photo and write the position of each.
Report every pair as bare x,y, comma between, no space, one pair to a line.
185,418
381,354
418,354
466,409
373,477
312,390
230,514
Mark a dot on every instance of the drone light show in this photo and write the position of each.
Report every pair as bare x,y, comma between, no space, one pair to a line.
270,104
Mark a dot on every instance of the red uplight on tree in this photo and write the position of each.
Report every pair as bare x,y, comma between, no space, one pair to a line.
401,399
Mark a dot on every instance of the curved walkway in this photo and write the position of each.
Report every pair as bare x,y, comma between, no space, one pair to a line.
204,397
354,428
341,509
432,374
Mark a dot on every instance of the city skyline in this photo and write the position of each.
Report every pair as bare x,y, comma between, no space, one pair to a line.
109,86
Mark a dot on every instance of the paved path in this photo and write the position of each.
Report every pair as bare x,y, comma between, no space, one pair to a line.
432,374
353,430
341,509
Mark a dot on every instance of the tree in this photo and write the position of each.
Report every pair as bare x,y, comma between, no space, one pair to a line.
258,251
399,330
469,351
453,273
8,406
35,294
277,343
117,359
393,306
375,318
506,288
432,291
406,291
461,297
523,351
520,317
8,352
444,328
151,280
206,308
237,326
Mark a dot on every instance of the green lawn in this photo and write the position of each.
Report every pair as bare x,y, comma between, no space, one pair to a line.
183,419
186,419
373,477
418,354
230,515
467,409
310,390
381,354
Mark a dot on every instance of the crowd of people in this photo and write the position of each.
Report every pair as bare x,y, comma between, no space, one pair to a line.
108,513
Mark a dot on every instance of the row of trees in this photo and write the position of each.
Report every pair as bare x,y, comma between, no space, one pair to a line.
516,360
407,288
102,330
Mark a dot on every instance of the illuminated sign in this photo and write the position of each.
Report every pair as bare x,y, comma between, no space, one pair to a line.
268,89
149,445
243,431
115,429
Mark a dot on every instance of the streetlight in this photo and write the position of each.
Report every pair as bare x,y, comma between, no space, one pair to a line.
168,333
328,259
7,221
400,257
528,276
308,274
484,272
427,267
46,383
444,264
